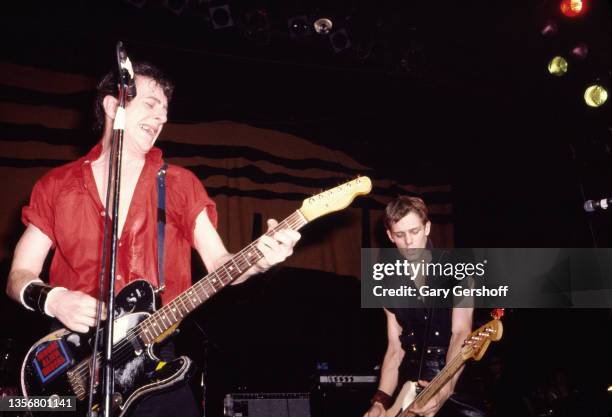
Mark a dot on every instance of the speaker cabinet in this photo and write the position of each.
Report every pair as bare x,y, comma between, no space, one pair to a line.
267,405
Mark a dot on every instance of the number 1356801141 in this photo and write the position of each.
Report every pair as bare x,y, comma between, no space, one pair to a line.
38,403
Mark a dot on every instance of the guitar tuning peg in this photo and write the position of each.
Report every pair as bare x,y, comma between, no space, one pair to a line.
497,313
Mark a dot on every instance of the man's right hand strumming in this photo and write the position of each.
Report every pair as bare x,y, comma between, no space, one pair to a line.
75,309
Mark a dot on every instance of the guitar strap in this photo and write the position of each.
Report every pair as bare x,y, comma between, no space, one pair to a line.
430,311
161,224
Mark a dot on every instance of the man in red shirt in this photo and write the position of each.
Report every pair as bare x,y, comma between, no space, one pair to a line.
67,212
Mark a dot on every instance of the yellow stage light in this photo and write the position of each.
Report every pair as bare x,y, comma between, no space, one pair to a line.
557,66
595,95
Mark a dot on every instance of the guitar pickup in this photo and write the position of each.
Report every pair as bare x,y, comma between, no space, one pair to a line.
135,341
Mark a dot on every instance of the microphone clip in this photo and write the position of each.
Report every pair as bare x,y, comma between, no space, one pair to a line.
126,71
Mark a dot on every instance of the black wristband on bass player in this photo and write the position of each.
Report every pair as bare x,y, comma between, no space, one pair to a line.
35,295
382,397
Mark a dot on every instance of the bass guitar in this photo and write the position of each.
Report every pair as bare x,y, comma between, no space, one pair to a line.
474,347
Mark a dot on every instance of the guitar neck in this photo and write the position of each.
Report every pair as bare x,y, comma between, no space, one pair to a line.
440,380
436,384
473,347
173,312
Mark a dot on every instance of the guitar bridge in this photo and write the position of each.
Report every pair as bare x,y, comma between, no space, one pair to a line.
77,384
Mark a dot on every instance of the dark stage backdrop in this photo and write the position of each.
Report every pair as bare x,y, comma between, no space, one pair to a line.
251,173
268,334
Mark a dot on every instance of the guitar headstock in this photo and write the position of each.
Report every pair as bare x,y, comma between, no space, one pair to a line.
477,343
335,198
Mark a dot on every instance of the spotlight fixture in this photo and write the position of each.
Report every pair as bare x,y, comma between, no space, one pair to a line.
573,8
323,26
221,16
557,66
340,40
298,26
595,95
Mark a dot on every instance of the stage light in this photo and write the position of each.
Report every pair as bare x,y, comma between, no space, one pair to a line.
221,16
549,29
323,26
557,66
580,51
340,40
573,8
595,95
298,27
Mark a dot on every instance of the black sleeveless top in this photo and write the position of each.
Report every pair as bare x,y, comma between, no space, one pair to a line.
422,328
426,333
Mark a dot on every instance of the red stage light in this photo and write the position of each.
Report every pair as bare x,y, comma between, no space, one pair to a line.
573,8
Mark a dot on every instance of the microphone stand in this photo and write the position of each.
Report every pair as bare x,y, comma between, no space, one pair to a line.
113,192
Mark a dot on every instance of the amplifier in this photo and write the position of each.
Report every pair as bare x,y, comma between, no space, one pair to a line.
347,379
345,394
267,405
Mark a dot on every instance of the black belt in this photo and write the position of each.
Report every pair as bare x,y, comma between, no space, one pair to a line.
425,364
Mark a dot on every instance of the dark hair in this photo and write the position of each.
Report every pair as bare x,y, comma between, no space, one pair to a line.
108,87
403,205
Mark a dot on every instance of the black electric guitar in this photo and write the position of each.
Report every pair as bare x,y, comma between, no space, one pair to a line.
474,347
59,364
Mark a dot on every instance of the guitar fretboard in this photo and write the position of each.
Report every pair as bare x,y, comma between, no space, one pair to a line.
477,342
173,312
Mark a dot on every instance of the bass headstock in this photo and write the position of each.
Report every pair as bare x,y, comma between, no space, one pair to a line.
479,340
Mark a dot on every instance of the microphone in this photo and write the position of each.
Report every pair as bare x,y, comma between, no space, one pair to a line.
127,72
592,205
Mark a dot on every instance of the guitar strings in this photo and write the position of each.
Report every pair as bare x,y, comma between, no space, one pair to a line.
425,391
291,221
447,369
122,348
295,221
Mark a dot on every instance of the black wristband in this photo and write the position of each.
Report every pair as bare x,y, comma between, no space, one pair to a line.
35,295
383,398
